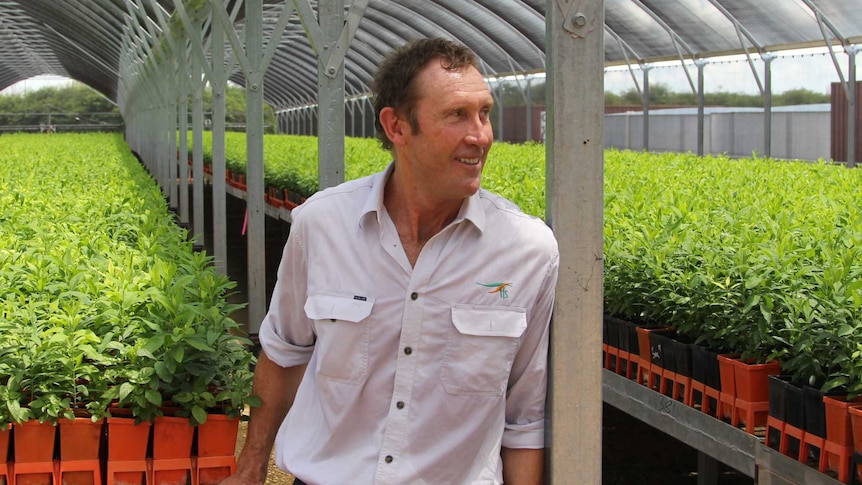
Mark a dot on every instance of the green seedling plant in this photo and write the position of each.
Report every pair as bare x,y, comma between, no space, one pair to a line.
101,293
752,256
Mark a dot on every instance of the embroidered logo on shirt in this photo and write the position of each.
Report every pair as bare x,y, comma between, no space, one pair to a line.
497,288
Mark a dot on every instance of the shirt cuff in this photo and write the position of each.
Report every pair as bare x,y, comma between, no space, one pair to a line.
279,351
530,435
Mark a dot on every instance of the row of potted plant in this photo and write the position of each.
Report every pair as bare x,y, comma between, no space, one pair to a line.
821,429
756,257
752,256
290,163
105,307
81,451
817,428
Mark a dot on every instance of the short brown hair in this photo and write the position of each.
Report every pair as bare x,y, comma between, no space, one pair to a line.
394,83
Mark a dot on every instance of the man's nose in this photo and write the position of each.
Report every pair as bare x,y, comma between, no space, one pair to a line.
479,131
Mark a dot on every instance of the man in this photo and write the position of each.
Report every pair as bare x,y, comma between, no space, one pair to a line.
408,329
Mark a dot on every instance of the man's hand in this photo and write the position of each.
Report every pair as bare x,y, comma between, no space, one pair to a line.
276,386
237,479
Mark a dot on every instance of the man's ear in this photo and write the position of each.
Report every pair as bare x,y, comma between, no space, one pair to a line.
395,127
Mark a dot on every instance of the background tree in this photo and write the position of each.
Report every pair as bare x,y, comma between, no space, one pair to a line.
71,105
235,109
79,105
661,95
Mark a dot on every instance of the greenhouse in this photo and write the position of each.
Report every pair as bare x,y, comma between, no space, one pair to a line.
744,261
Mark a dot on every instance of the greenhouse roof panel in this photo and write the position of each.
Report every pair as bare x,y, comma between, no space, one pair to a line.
88,40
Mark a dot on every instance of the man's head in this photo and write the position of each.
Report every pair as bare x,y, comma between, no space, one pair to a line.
394,83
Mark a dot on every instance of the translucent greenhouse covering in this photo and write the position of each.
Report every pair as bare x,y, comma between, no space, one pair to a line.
154,58
83,39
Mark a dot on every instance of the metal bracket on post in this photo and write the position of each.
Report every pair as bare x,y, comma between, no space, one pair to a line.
194,34
150,26
255,76
220,17
575,21
332,55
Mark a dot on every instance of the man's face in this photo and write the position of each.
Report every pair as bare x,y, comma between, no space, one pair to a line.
448,152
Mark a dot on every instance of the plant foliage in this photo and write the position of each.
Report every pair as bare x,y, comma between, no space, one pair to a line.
755,256
102,299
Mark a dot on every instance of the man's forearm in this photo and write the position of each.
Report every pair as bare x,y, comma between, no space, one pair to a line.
523,466
276,386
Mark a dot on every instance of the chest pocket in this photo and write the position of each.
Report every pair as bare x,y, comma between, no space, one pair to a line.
480,351
341,323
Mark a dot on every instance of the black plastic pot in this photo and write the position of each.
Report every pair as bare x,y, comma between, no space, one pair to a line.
628,338
777,407
794,406
631,329
682,355
613,334
815,410
662,348
704,366
778,396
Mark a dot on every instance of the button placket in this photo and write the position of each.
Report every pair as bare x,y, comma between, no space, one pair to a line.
397,426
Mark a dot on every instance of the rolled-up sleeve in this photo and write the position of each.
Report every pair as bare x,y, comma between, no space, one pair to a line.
286,333
528,381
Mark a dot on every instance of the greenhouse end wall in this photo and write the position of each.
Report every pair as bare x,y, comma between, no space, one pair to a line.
802,135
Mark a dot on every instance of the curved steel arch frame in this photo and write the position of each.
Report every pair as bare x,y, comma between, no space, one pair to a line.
138,53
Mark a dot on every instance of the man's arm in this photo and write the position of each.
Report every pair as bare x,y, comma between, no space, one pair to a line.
523,466
276,386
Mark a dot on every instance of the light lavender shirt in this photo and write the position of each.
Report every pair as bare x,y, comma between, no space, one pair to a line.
415,374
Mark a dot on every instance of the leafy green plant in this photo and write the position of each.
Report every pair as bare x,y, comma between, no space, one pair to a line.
755,256
103,302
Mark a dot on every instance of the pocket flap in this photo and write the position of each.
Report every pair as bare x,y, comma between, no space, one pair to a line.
489,321
352,309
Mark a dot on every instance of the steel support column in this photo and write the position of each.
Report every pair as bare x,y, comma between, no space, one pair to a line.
330,92
168,168
767,104
217,84
254,167
645,100
701,101
529,129
851,107
574,154
197,85
182,159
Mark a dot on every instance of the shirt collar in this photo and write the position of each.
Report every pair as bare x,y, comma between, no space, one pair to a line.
471,208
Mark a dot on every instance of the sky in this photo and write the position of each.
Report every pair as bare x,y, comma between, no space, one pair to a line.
35,83
811,69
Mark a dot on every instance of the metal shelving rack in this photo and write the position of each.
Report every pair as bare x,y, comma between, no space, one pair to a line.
715,440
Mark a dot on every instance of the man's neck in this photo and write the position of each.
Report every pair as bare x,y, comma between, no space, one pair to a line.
416,218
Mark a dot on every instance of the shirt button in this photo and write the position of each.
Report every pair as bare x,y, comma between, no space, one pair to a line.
408,350
388,458
400,404
414,295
